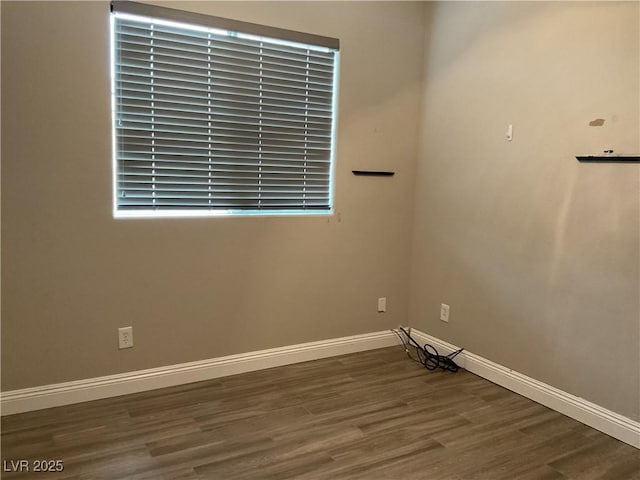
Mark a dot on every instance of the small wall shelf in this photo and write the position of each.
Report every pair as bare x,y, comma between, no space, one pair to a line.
610,158
373,173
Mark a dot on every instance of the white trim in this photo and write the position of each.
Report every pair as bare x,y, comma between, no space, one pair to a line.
46,396
611,423
36,398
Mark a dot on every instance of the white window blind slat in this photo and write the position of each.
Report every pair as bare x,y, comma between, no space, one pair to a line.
208,120
233,136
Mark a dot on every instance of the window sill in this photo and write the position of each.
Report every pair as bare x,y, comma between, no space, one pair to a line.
145,214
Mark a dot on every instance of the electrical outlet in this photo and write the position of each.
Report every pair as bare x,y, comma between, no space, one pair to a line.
444,312
125,337
382,304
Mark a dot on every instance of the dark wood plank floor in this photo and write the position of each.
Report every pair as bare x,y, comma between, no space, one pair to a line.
372,415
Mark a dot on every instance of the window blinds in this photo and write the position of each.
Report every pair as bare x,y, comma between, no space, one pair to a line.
210,120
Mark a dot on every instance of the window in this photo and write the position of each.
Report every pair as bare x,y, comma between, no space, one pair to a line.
214,116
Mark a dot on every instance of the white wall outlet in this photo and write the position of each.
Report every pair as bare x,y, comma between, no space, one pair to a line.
509,133
444,312
382,304
125,337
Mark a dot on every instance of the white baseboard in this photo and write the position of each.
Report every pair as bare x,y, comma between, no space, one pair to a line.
47,396
611,423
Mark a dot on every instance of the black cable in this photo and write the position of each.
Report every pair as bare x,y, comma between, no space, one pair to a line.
428,355
405,345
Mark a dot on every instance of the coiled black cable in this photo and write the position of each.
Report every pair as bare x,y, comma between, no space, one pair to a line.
428,355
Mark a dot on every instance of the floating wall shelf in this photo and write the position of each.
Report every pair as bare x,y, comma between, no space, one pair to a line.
373,173
609,158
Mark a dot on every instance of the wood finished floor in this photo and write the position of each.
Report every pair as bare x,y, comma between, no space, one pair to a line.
372,415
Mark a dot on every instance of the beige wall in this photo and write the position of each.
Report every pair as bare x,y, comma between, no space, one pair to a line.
192,288
537,255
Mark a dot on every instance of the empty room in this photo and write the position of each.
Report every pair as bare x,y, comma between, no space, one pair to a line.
320,240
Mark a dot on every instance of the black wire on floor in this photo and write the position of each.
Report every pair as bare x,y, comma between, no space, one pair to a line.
427,354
